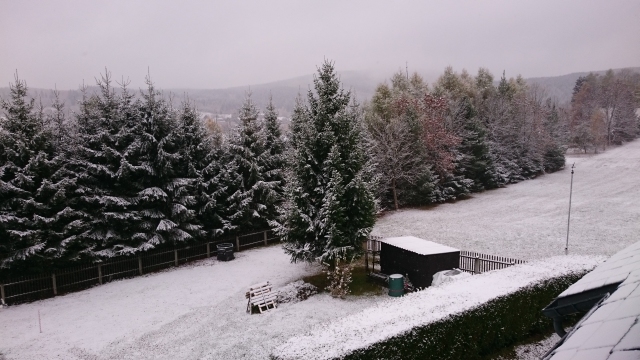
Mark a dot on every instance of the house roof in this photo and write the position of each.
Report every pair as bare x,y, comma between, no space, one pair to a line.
611,330
418,246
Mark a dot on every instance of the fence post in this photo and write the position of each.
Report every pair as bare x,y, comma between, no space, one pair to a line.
2,298
265,237
476,265
175,256
100,273
237,243
55,288
208,249
140,264
366,261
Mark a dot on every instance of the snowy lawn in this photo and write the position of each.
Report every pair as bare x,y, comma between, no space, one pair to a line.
198,311
528,220
193,312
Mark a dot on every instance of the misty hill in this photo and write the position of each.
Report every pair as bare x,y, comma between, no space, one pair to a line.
229,100
284,92
561,87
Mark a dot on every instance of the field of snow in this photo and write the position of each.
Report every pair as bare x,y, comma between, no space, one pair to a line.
192,312
528,220
198,311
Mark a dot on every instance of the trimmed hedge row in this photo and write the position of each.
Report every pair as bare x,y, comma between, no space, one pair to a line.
476,333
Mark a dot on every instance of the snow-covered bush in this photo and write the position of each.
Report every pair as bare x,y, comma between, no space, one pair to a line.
339,279
296,291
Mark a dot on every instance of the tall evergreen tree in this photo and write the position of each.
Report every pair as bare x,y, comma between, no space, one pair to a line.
29,198
248,160
159,168
106,190
329,209
275,161
202,156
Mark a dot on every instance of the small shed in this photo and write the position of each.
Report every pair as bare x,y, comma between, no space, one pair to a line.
418,258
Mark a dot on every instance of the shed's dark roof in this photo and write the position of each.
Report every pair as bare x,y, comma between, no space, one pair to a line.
612,330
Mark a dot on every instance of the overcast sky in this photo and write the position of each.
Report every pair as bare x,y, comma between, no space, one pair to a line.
216,44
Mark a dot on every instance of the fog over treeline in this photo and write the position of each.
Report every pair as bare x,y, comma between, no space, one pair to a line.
284,92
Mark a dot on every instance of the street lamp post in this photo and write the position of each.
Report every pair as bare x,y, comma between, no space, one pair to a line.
566,248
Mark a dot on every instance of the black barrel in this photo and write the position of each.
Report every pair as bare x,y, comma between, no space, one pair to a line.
225,251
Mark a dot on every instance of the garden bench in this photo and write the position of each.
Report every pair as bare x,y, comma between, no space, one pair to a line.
260,295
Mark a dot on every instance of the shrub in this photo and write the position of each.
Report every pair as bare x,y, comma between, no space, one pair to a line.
478,332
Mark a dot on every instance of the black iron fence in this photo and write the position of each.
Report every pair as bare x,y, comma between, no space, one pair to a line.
30,288
477,263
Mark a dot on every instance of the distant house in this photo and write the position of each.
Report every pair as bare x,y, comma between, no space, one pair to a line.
610,294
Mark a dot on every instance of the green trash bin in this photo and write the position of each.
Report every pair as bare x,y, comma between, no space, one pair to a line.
396,285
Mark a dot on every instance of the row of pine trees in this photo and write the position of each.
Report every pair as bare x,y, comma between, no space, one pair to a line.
128,173
462,134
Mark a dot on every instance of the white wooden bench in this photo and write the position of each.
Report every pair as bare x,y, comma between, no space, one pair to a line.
260,295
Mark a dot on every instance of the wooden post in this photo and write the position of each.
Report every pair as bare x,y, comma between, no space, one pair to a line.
140,264
55,288
100,274
265,238
2,297
237,243
175,256
208,249
366,261
476,265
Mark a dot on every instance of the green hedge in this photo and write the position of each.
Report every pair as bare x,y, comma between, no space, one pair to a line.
478,332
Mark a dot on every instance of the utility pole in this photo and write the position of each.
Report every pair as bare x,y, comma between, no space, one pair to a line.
566,248
406,63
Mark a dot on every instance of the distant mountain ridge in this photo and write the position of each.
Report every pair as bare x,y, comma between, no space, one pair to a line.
228,100
561,87
284,92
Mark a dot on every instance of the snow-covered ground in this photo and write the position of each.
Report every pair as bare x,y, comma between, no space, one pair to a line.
529,220
394,316
198,311
193,312
534,351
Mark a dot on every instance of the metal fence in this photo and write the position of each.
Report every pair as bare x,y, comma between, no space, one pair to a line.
477,263
23,289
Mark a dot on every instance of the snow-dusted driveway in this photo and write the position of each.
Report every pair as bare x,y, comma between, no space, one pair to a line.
529,219
192,312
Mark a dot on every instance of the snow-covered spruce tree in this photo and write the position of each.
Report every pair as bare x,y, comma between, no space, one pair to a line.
329,208
63,233
29,198
248,160
158,164
275,165
106,189
203,154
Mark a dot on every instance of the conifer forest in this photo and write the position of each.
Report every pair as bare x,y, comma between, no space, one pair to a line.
129,171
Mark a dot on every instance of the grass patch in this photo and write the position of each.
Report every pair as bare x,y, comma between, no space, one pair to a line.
361,284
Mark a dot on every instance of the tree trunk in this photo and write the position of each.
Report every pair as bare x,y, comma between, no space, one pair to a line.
395,195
